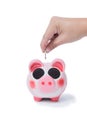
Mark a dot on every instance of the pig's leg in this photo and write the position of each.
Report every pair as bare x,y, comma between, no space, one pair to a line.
55,99
37,99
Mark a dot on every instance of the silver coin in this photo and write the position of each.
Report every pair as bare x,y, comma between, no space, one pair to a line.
45,55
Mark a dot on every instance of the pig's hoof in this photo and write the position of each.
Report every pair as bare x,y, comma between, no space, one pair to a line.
37,99
55,99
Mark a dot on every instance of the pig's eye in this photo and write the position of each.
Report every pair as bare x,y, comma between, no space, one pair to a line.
54,73
38,73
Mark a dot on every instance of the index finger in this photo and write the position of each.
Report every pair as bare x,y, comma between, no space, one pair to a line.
51,30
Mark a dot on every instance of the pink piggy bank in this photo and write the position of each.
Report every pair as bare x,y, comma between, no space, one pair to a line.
47,80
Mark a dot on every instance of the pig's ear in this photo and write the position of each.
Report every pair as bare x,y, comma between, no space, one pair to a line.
34,64
58,63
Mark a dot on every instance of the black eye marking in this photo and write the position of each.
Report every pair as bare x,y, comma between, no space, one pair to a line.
38,73
54,73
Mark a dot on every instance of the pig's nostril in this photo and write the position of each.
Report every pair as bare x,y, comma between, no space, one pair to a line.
43,83
50,83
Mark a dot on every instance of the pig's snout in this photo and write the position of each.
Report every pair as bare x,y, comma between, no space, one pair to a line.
46,84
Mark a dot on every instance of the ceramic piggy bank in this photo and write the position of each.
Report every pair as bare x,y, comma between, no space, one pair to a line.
47,80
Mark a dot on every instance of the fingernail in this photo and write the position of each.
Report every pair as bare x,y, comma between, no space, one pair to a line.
47,50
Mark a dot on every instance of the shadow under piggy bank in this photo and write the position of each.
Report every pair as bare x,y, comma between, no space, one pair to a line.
65,100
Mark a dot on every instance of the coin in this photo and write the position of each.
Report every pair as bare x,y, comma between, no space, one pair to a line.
45,55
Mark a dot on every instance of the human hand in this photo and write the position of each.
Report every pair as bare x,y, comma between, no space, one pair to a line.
63,30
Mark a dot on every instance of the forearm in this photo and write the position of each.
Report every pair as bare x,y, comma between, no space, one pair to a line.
83,26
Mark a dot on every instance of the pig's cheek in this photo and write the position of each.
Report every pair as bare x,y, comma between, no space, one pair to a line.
32,84
60,82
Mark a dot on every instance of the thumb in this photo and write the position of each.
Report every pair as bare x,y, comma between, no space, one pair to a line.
56,42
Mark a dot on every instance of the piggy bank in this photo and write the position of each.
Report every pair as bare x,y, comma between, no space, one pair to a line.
47,80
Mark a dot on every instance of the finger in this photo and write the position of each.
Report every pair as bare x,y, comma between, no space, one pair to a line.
56,42
51,30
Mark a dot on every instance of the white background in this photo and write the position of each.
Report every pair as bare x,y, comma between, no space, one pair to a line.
22,25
